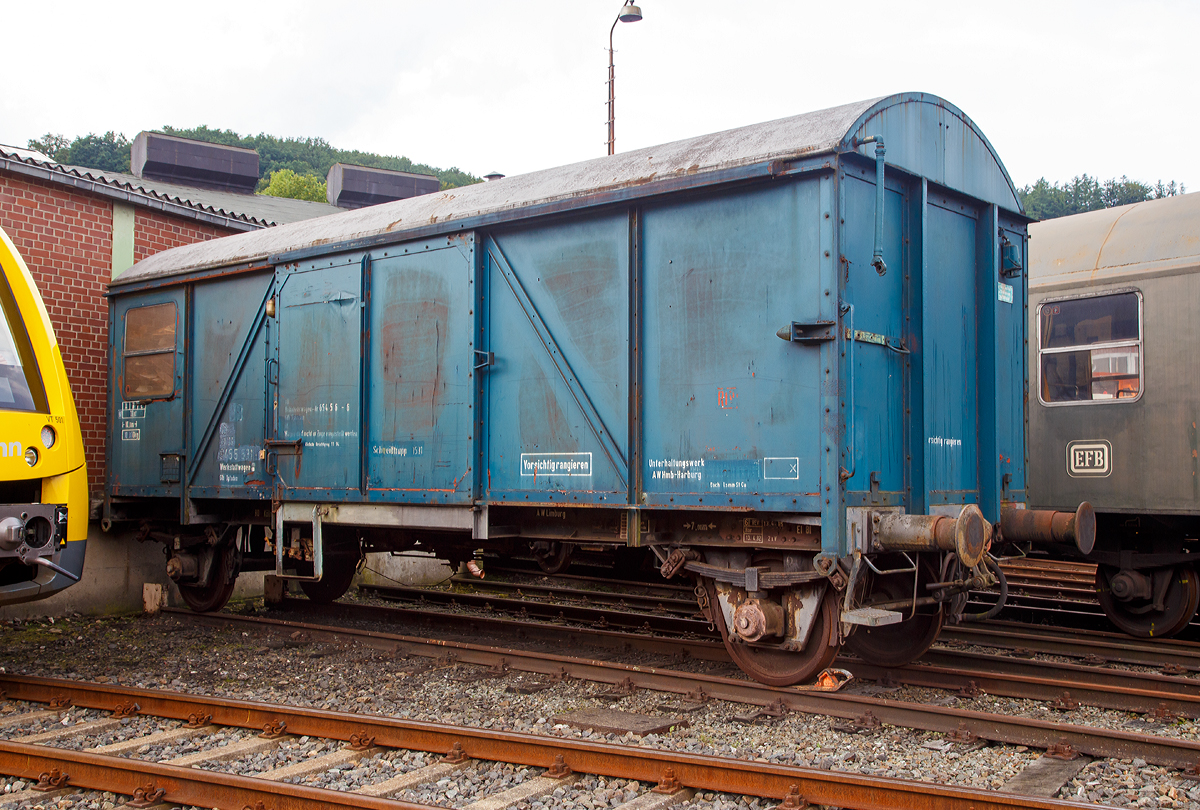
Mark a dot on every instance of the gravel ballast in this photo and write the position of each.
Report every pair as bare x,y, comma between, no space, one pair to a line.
168,652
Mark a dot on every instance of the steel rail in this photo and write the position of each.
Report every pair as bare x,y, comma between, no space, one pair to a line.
1067,675
590,615
654,583
998,728
939,668
204,788
675,604
1079,643
1057,590
843,789
1027,683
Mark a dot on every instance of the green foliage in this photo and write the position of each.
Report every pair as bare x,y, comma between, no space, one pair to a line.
50,145
108,152
1043,200
286,183
302,156
314,156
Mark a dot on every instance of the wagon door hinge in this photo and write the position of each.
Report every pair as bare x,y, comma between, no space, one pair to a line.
810,333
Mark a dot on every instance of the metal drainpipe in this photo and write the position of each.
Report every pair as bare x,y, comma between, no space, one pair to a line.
877,259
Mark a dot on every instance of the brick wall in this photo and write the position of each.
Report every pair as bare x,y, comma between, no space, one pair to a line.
155,231
66,239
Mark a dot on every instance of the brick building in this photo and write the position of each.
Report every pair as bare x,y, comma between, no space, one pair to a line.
78,228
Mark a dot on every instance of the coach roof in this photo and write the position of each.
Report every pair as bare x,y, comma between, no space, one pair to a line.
1156,236
967,163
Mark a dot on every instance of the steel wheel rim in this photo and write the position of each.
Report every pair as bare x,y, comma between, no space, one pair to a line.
895,645
1183,596
779,667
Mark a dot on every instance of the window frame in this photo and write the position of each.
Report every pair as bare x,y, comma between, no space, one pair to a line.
126,354
1088,347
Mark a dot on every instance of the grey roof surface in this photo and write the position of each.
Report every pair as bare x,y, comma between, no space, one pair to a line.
1114,243
260,207
256,210
801,135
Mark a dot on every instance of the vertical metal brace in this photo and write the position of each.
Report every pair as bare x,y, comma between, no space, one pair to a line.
318,545
364,373
846,474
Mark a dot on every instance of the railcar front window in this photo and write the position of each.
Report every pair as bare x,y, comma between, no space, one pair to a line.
1090,349
20,383
150,352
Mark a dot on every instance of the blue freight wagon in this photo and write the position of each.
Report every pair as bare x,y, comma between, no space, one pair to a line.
788,358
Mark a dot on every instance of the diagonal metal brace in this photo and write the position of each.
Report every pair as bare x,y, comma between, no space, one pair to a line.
591,416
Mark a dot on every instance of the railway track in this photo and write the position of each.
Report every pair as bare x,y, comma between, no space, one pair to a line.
1088,681
1041,591
187,780
945,667
855,708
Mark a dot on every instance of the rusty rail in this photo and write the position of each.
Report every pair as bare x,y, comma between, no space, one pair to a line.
203,788
208,788
940,668
998,728
666,622
1113,647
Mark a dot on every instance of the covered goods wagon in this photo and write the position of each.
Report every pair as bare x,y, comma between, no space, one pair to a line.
787,358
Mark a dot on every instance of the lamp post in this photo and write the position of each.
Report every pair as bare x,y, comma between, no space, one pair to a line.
629,13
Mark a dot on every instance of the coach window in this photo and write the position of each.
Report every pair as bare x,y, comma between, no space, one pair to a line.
1090,349
149,352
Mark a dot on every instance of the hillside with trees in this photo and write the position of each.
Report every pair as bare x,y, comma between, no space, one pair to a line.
302,163
1045,200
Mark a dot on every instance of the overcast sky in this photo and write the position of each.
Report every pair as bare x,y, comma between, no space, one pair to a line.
1060,88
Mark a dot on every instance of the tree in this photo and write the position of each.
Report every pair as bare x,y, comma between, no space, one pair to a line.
302,156
314,156
51,146
108,152
1043,200
287,183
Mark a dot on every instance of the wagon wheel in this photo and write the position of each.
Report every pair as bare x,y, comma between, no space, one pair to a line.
558,558
340,566
768,663
894,645
1137,617
214,595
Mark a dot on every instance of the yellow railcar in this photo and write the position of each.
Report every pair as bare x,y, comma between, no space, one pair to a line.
43,476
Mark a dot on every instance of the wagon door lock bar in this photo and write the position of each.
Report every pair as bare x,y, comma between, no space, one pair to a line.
809,333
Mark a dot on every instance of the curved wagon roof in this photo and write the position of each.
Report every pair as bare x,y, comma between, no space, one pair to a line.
1156,236
924,135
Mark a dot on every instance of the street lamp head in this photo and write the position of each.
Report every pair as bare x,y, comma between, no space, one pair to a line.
630,13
